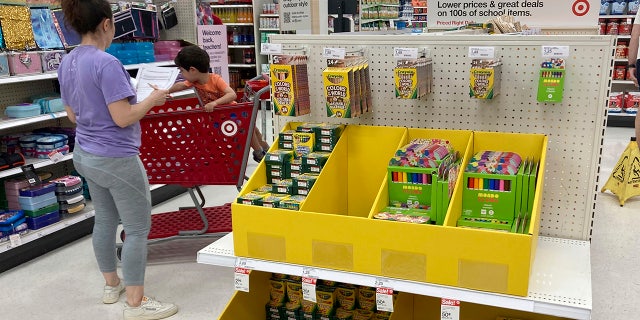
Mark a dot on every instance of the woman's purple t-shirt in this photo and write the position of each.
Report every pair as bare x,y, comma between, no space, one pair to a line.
91,79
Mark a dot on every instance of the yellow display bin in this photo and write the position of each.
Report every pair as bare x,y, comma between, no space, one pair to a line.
334,228
477,259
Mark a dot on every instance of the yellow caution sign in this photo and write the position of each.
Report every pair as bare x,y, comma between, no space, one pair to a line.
625,178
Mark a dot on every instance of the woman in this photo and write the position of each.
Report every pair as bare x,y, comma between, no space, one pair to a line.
101,101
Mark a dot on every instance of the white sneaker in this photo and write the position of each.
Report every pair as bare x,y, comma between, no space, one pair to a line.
112,294
149,309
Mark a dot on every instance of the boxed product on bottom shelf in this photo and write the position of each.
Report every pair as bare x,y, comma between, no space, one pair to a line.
338,230
265,291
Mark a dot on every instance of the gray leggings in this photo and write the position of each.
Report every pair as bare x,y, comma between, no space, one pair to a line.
119,191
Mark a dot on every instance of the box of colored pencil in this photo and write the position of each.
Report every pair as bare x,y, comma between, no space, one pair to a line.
551,80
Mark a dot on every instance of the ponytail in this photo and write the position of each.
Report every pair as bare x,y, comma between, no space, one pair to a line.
84,16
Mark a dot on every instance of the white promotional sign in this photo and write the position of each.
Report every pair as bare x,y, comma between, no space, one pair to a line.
446,14
213,39
334,53
295,15
405,53
555,51
482,52
270,48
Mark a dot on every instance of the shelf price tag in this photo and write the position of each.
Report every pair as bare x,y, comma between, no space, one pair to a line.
55,156
309,289
482,52
334,53
15,240
241,275
405,53
555,51
309,281
271,48
449,309
384,294
384,299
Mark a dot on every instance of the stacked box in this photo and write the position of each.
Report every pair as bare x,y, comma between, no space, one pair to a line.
290,85
347,87
278,162
70,194
12,191
413,78
36,199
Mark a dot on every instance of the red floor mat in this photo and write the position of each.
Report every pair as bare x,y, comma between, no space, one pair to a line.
168,224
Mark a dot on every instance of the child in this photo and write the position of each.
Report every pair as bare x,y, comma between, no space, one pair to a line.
193,62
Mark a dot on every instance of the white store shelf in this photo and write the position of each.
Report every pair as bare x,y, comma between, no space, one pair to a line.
621,114
215,5
241,46
155,64
617,16
17,122
269,15
241,65
239,24
37,163
559,285
269,29
25,78
33,235
622,81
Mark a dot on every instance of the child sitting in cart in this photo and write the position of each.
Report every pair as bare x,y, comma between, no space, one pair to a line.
193,62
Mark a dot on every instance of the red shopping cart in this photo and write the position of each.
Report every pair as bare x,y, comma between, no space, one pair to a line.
184,145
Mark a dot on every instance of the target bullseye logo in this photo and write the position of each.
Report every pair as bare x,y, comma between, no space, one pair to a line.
229,128
581,7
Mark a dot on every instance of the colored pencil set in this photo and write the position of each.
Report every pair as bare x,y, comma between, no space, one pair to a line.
421,153
495,162
411,177
488,184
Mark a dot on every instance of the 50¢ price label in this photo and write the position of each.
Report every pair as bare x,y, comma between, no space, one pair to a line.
241,279
384,299
449,309
309,289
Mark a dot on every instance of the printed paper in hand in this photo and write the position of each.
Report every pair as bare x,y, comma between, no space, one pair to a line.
162,77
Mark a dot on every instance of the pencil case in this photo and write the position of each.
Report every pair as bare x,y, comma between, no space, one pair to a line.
38,190
22,110
70,199
29,141
12,187
64,206
51,142
11,160
49,104
67,185
24,63
51,60
43,221
10,217
19,229
74,209
35,203
44,154
41,211
4,65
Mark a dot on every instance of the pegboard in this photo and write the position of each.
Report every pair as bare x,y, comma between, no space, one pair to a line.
575,127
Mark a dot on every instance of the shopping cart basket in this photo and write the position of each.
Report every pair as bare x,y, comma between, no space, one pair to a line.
184,145
258,90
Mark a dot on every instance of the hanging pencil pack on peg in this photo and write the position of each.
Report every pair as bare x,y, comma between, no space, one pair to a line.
168,18
145,18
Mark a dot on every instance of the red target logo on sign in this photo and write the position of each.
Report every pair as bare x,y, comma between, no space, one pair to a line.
580,7
229,128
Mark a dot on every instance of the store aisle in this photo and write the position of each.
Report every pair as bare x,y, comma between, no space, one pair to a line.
65,283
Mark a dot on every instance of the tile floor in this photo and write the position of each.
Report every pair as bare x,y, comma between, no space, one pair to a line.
65,283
